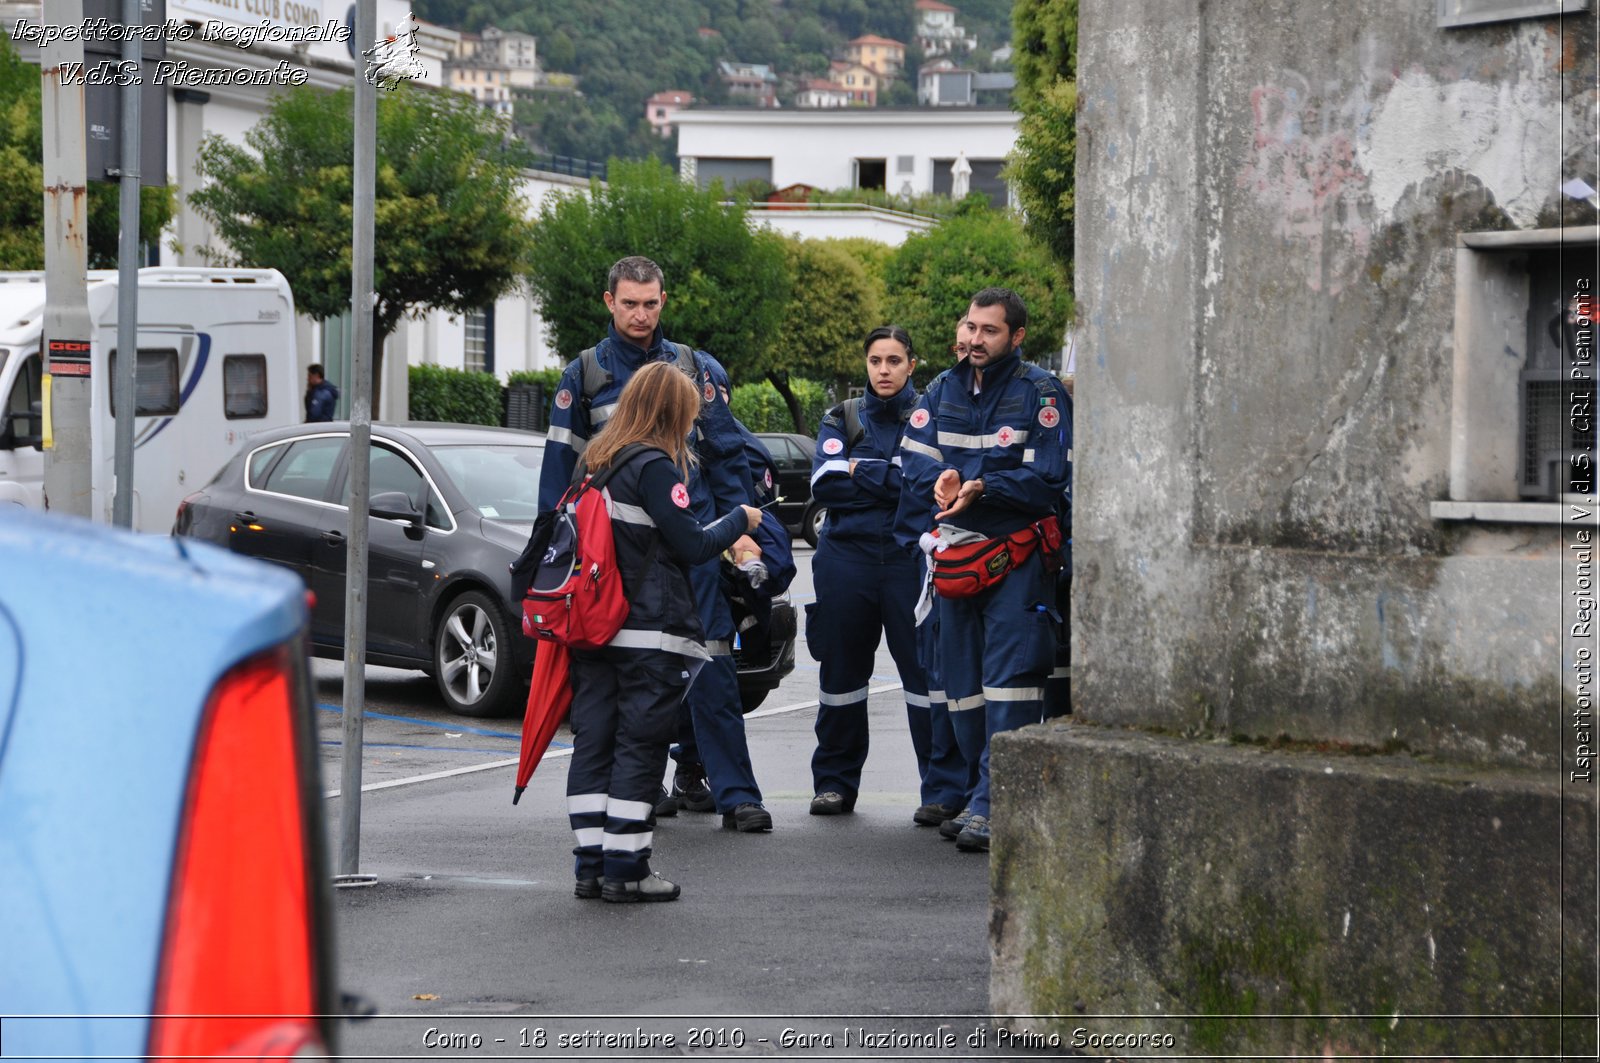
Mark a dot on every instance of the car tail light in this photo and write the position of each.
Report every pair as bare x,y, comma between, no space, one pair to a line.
180,523
240,960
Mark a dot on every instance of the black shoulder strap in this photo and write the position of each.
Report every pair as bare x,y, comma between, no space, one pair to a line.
850,410
595,375
621,458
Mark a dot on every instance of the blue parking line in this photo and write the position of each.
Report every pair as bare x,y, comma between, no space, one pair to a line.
431,749
370,715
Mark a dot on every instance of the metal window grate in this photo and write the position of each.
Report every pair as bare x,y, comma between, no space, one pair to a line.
1551,432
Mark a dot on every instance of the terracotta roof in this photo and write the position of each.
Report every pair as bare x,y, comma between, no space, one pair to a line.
874,39
672,96
932,5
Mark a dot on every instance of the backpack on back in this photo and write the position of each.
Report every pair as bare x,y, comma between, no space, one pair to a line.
574,592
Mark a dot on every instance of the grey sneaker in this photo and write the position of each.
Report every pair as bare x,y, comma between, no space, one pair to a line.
650,888
974,837
950,828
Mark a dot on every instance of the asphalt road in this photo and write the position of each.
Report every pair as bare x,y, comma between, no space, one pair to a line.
844,930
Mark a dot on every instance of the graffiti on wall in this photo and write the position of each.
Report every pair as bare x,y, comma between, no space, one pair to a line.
1304,170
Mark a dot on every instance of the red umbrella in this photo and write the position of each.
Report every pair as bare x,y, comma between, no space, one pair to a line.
549,698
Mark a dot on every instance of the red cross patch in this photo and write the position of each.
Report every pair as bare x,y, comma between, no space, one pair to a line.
832,445
710,391
766,478
1049,417
919,419
1006,436
563,399
680,496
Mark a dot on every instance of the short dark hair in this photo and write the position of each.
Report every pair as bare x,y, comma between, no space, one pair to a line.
889,332
316,367
1016,312
635,268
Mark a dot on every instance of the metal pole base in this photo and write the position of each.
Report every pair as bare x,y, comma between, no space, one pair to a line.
349,882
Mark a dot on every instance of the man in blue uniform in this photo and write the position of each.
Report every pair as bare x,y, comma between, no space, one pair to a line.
990,444
635,294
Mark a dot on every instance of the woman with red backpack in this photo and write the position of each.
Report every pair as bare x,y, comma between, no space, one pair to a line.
625,695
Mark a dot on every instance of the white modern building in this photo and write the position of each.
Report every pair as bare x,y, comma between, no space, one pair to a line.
903,152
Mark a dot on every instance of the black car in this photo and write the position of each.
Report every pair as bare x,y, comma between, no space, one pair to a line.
451,508
792,453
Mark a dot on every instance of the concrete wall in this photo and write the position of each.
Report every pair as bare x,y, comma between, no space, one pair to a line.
1272,573
1266,265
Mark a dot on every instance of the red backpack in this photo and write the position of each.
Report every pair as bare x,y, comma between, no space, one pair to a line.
575,596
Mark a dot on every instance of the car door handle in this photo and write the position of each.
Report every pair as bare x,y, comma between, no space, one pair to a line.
245,517
333,537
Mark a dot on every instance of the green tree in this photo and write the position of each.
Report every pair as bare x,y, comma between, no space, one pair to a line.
22,180
1045,54
452,229
833,302
1043,165
1044,45
933,276
726,286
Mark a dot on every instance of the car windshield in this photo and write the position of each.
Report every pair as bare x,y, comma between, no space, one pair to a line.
500,480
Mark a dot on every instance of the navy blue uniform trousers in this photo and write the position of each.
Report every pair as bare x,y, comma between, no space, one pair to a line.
997,649
716,738
857,601
624,715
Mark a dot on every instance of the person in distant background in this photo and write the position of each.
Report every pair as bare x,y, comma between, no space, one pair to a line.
321,397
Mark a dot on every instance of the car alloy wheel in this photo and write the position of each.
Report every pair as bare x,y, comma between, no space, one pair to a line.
811,524
472,656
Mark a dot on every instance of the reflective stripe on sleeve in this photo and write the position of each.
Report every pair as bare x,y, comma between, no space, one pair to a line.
895,461
565,435
850,698
719,648
599,415
1013,693
837,465
921,448
1062,673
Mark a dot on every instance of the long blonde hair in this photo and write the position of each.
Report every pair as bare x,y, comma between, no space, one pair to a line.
658,408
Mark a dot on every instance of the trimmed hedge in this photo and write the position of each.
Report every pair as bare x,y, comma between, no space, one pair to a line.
548,377
762,409
454,395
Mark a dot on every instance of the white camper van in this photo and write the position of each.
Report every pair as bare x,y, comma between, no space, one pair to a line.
216,364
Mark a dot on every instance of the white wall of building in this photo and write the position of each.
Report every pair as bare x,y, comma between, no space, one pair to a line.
819,148
838,221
